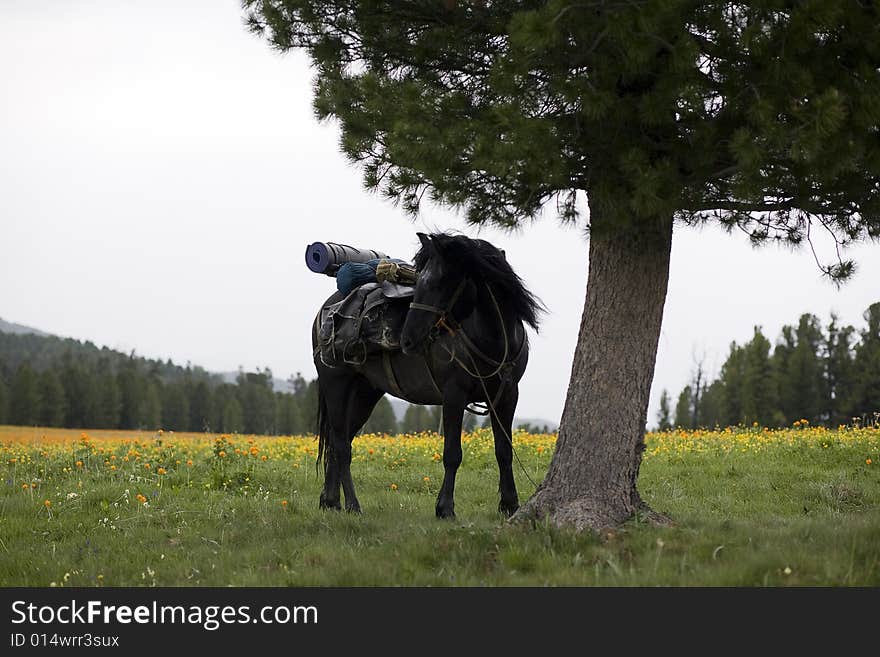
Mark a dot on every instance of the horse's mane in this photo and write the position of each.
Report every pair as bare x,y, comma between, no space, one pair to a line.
480,260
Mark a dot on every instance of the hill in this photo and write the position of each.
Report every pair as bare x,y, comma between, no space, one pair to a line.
19,329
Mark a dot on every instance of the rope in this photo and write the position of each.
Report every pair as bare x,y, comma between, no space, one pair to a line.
482,379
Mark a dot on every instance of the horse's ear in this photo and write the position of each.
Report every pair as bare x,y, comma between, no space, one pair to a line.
424,239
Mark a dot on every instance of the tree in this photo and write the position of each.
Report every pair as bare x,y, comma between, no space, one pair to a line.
382,419
233,417
257,401
758,395
712,405
175,407
416,418
664,417
655,112
4,402
839,372
52,401
149,411
288,419
801,372
200,407
24,406
866,368
684,409
109,405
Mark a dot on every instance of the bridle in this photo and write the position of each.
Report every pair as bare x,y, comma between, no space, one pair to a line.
448,323
502,367
442,312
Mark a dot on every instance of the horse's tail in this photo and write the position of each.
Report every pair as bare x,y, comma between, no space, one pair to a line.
323,425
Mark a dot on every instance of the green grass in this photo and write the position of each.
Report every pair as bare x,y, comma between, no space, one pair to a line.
783,515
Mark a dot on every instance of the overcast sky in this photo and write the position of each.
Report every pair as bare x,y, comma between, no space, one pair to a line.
161,173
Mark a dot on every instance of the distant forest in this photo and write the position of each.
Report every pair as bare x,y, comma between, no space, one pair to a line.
826,375
56,382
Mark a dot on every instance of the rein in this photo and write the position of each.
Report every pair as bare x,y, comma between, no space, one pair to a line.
470,348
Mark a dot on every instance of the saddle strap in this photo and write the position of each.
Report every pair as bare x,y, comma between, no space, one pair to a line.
389,374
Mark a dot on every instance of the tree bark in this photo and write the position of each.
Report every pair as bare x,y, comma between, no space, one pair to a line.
591,483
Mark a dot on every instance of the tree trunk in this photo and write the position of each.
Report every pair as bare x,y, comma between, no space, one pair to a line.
591,483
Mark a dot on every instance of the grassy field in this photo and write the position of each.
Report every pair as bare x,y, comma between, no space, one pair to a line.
109,508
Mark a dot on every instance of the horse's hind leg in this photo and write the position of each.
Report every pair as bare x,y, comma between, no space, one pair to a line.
502,431
355,398
363,399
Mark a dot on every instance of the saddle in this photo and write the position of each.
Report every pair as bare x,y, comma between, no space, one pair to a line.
368,321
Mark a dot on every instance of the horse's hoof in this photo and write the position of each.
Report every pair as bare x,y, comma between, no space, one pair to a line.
445,513
353,508
324,504
508,509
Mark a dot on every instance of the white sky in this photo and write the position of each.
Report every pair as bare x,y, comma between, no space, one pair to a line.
161,173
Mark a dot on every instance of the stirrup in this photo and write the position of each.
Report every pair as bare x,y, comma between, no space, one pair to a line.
478,408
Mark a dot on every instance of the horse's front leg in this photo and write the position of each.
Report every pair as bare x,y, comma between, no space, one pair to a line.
502,431
453,413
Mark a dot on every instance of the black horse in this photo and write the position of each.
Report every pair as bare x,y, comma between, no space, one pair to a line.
463,342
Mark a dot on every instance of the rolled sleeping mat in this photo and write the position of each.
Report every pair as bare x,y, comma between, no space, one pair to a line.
327,257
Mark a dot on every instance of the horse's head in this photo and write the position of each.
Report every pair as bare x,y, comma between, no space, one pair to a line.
443,291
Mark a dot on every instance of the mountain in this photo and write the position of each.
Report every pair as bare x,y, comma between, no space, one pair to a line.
19,329
278,385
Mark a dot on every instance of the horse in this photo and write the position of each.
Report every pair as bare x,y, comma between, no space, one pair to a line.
463,342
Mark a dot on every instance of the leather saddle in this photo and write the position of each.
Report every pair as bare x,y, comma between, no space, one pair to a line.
368,321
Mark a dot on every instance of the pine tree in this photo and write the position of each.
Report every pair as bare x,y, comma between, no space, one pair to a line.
759,395
731,379
382,419
25,397
149,411
839,373
801,373
664,420
109,404
53,404
175,407
418,418
866,368
200,407
712,405
653,111
4,402
684,409
233,416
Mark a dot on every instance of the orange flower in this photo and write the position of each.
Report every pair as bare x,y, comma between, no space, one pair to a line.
189,462
393,486
868,461
47,503
79,464
284,503
160,471
140,498
222,454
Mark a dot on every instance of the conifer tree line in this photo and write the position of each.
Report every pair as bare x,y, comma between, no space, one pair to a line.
825,374
54,382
